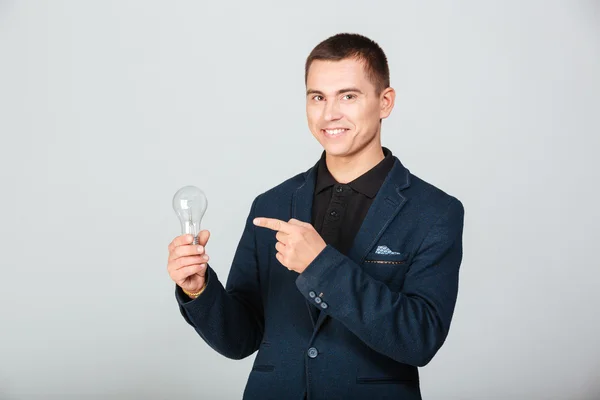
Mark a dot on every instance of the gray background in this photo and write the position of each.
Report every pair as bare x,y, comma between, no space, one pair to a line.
108,107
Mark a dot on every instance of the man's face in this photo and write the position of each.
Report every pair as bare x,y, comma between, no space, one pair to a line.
342,106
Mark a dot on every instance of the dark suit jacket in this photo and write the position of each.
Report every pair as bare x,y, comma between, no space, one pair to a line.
382,315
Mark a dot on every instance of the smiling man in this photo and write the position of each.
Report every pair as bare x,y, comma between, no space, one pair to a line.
345,278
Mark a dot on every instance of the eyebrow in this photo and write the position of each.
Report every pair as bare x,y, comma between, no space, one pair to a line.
346,90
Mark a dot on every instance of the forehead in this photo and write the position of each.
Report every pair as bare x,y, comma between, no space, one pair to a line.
333,75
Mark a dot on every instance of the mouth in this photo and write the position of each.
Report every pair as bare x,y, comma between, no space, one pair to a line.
334,133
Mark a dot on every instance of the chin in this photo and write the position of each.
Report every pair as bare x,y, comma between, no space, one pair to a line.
337,149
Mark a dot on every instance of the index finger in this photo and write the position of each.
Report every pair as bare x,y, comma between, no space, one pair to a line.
180,241
274,224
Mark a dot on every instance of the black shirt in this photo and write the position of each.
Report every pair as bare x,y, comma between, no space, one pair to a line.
339,209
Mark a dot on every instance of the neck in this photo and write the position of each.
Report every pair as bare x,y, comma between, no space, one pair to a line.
345,169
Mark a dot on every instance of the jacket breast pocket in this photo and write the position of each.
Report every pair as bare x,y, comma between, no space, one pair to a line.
388,268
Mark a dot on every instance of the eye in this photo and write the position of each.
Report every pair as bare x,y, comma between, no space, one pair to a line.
318,97
349,96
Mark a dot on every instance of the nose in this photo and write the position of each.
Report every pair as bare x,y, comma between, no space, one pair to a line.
331,111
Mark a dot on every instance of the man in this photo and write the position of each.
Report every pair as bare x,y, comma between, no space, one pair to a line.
346,276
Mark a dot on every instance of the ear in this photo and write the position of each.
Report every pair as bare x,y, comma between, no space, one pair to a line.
386,102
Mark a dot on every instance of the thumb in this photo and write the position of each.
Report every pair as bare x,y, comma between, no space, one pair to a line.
203,237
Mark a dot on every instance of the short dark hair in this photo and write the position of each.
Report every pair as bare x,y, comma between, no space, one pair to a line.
352,45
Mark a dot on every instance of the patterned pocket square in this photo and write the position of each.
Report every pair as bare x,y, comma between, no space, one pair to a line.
385,250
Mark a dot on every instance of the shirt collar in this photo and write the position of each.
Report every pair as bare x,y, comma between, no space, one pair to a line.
367,184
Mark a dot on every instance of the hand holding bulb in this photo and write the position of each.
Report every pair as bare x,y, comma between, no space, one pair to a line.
187,261
187,252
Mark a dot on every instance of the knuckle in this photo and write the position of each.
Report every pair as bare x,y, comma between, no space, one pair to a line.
191,260
177,252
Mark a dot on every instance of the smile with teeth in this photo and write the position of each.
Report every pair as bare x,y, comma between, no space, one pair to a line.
335,131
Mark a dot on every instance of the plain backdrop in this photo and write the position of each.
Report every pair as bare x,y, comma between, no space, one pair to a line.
108,107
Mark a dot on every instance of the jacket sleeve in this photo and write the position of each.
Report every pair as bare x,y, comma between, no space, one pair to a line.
410,325
230,319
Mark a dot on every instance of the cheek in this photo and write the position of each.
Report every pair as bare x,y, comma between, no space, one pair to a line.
369,116
313,124
312,115
358,115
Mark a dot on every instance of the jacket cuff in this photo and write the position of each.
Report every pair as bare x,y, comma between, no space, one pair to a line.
202,303
313,282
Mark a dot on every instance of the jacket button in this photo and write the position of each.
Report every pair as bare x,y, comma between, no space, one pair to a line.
339,189
312,294
324,305
318,300
313,352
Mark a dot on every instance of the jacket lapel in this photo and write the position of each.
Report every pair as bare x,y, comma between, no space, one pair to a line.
385,207
302,201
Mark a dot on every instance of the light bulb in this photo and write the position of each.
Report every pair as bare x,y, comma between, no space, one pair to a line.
190,205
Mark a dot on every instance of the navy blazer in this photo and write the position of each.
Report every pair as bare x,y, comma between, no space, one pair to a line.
383,313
